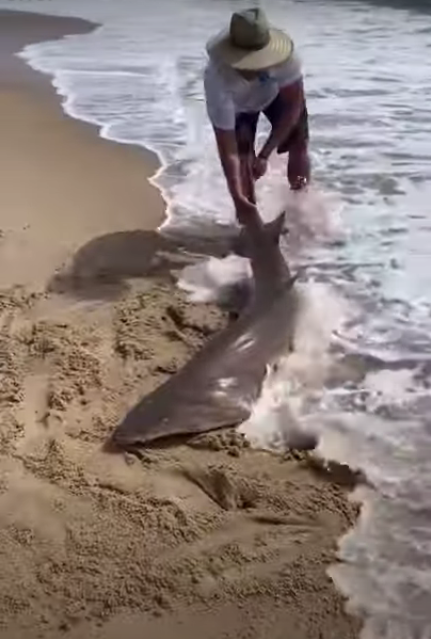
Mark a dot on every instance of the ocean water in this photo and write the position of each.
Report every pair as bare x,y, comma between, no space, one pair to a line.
361,373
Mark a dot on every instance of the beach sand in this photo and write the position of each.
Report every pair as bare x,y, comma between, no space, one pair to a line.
205,539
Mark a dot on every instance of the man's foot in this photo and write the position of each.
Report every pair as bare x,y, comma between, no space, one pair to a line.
299,183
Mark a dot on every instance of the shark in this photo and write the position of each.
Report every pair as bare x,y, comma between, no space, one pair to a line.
218,386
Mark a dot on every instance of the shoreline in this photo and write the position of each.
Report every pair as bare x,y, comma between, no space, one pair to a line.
208,536
29,95
17,71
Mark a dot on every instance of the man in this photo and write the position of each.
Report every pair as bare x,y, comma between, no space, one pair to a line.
253,68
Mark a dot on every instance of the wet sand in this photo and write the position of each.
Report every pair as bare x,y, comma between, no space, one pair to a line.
207,538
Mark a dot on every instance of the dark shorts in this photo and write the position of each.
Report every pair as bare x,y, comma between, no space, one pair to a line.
246,126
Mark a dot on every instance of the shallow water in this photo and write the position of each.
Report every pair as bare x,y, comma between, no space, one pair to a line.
362,236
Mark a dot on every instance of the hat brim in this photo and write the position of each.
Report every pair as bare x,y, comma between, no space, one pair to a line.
278,50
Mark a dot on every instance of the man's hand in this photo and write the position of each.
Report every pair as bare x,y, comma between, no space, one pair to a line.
292,97
259,167
245,210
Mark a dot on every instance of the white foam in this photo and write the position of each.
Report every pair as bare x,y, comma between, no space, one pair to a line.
212,279
227,382
138,93
298,377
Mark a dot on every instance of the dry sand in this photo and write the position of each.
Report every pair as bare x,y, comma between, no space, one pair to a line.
205,539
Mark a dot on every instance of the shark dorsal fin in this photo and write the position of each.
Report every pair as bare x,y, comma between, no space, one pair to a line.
272,230
292,280
276,228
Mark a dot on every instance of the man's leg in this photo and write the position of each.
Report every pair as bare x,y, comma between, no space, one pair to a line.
296,145
245,129
298,165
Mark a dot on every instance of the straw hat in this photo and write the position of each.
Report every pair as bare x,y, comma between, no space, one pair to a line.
250,43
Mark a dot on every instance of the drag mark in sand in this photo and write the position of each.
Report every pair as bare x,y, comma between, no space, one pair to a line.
212,524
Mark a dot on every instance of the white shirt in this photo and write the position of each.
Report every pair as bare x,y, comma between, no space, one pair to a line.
228,93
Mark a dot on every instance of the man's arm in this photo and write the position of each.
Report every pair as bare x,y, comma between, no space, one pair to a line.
293,98
241,192
229,158
221,112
